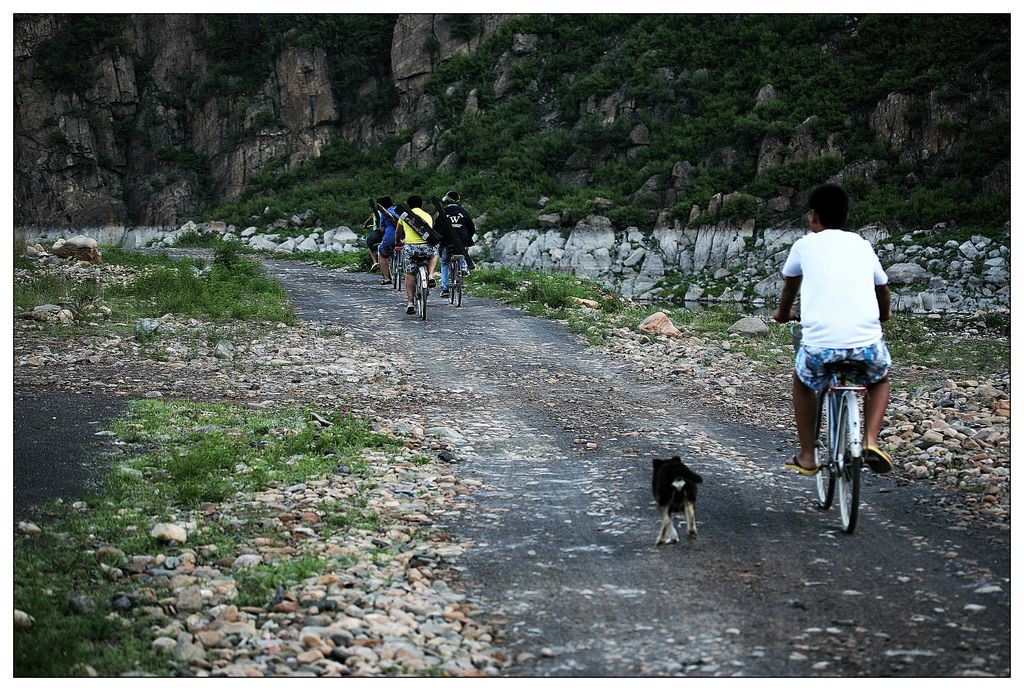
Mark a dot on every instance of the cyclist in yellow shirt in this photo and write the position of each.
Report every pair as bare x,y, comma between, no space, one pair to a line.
416,247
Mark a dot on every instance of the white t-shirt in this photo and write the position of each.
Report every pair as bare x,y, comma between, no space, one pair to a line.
838,307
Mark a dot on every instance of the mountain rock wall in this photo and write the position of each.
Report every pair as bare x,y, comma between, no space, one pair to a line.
145,145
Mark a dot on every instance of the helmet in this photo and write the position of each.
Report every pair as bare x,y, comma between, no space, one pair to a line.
451,197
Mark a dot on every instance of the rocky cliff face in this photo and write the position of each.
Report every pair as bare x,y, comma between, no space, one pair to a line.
147,140
728,264
144,145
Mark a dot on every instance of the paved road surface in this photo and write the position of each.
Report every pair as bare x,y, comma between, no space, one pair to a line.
56,450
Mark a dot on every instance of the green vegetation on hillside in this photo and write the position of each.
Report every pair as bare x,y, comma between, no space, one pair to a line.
63,58
691,80
243,47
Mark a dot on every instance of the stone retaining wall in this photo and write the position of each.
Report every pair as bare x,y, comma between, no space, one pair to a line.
719,263
711,264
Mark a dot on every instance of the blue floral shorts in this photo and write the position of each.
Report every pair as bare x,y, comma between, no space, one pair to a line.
810,363
417,253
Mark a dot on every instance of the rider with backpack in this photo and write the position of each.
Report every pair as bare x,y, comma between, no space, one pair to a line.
461,224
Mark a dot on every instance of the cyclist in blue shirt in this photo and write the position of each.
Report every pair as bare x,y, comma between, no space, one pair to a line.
387,243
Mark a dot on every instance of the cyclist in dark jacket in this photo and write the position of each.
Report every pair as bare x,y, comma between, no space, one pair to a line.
461,223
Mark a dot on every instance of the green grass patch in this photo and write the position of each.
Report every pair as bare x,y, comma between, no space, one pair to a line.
186,454
201,443
233,288
942,344
349,261
258,584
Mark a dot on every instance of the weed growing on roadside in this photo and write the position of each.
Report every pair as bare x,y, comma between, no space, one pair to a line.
257,584
177,455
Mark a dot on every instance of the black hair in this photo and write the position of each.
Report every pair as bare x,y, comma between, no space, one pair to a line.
384,201
452,197
831,203
415,201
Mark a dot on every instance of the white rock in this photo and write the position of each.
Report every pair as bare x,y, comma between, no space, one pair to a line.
22,620
245,561
168,532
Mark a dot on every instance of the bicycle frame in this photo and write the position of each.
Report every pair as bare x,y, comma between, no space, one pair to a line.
843,457
842,401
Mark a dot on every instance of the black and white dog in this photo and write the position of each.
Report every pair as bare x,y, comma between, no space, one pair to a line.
675,489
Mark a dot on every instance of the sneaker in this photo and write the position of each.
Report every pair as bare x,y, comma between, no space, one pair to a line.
445,293
374,268
431,282
464,273
410,309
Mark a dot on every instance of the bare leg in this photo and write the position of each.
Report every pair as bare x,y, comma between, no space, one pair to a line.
805,408
385,270
691,521
410,287
432,266
874,411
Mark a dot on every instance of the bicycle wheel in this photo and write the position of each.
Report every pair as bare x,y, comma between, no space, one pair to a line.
458,293
824,481
423,292
849,469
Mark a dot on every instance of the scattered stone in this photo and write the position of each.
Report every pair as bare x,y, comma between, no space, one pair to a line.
245,561
146,327
169,532
749,326
81,604
23,621
659,324
224,350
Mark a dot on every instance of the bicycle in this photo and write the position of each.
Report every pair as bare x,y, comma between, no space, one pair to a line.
395,266
455,280
839,440
422,289
380,261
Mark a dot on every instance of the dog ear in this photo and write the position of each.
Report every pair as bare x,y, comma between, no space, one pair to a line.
677,459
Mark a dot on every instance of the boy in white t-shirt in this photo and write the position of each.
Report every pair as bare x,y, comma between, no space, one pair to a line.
844,297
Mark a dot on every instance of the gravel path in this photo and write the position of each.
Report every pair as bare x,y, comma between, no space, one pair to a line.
562,436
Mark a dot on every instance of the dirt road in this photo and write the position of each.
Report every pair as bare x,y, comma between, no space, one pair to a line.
562,440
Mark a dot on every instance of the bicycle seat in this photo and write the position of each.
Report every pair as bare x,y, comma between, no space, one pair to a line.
852,369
